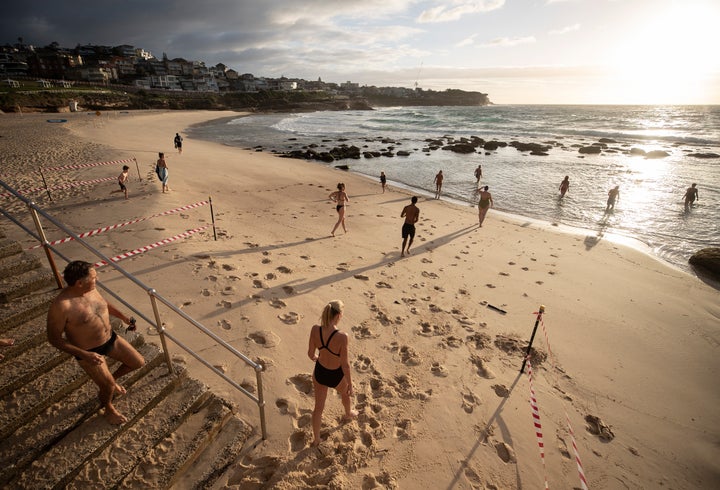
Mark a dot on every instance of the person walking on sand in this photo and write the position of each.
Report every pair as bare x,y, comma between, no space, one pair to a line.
438,184
328,349
478,173
613,197
340,198
178,142
485,203
691,194
162,171
564,186
122,180
383,181
411,213
6,343
78,323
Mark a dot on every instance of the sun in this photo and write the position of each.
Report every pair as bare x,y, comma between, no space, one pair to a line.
670,56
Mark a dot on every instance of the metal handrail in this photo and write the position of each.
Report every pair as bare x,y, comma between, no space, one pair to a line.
155,297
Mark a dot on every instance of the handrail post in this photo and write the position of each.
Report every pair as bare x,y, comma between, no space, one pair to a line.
261,401
161,330
45,244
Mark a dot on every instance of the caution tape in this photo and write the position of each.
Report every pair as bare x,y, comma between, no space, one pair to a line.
97,231
581,471
86,165
536,420
62,186
140,250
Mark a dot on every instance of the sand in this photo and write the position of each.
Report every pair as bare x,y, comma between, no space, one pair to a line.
627,350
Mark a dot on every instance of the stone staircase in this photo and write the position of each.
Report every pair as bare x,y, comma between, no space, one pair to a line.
178,435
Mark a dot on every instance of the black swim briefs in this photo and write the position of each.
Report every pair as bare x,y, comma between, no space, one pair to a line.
105,348
408,229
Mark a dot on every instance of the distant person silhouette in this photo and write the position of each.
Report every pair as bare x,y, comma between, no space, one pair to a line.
564,186
178,142
485,203
613,197
691,194
438,184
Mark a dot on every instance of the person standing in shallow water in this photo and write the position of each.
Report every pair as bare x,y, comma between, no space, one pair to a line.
478,173
328,349
485,203
438,184
340,198
613,197
383,181
691,194
564,186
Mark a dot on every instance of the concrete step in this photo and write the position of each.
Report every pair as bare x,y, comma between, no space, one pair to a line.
36,437
27,335
61,462
23,309
25,283
28,365
20,406
9,247
18,263
118,460
177,453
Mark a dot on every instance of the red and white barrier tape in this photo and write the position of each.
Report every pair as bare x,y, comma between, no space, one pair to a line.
536,420
62,186
581,471
86,165
140,250
97,231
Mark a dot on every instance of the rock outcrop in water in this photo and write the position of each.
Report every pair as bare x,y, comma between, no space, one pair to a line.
708,261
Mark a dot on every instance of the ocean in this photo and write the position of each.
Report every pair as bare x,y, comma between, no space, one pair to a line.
650,211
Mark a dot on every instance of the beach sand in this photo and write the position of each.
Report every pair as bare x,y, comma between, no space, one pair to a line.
632,360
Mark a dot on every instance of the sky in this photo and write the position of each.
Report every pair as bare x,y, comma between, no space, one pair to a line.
516,51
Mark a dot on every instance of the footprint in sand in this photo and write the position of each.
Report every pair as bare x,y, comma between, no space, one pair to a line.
225,324
288,290
229,267
270,276
228,291
505,452
480,340
452,342
363,364
298,440
205,292
265,338
439,370
258,284
430,275
402,429
225,304
428,330
277,303
302,382
286,407
212,278
290,318
501,390
361,277
362,331
491,286
284,270
382,284
599,428
469,402
504,274
266,260
481,365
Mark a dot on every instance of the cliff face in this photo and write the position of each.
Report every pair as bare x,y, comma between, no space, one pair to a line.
97,100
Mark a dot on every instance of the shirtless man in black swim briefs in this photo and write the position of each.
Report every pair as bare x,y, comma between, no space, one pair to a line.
328,348
411,213
78,323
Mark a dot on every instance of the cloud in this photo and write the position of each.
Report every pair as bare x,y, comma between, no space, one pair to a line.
468,41
565,30
445,13
509,42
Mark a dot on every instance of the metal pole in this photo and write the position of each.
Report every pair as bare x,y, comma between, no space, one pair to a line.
261,401
138,169
46,245
540,312
45,183
161,330
212,217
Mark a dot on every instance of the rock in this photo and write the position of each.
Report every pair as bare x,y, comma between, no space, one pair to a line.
403,153
707,259
607,140
637,151
460,148
494,145
657,154
592,150
704,155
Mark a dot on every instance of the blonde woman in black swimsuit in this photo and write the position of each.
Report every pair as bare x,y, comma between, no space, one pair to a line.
328,348
486,202
340,198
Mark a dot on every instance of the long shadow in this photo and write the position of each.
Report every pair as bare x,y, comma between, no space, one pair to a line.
591,241
297,286
483,437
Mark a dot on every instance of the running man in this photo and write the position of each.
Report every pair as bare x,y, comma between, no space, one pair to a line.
411,213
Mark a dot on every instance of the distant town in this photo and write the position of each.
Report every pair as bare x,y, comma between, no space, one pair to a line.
137,69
